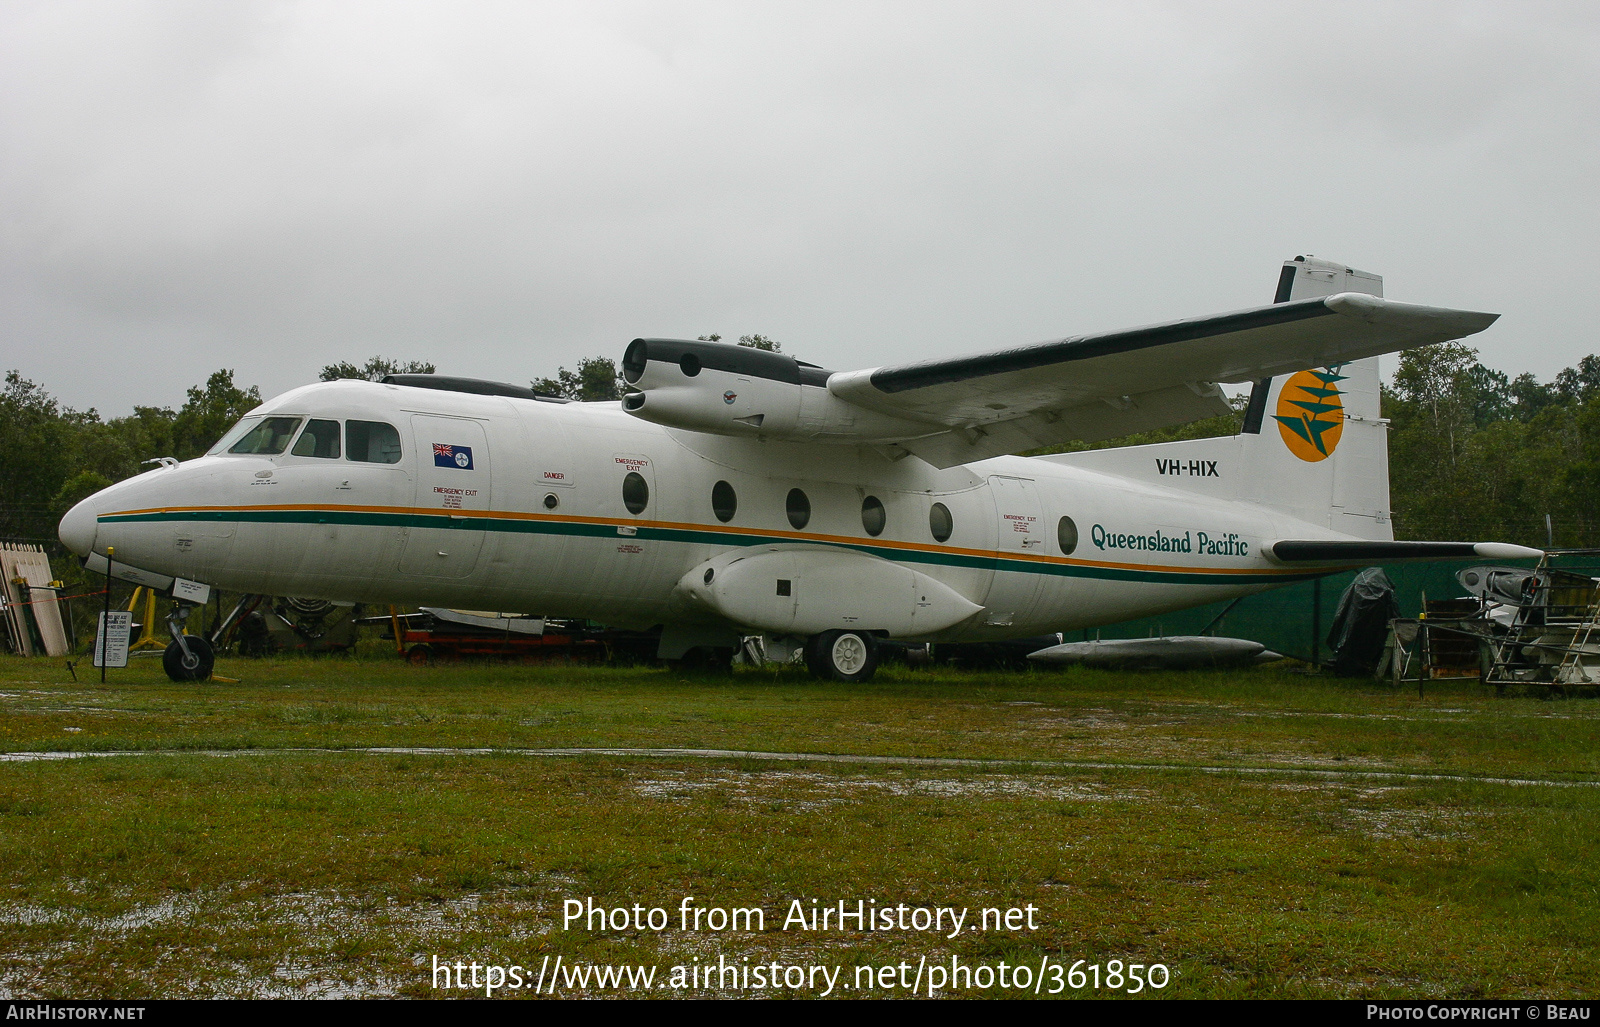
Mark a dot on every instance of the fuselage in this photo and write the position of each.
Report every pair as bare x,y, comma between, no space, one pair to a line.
579,510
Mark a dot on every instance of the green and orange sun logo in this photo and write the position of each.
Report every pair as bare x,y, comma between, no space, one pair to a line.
1310,416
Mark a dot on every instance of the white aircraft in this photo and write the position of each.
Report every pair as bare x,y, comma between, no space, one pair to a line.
738,491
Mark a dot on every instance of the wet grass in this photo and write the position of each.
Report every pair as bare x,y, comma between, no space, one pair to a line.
1264,717
273,872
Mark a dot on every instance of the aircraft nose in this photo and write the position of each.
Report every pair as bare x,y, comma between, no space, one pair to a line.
78,527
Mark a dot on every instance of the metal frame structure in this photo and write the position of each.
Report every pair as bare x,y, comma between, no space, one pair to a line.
1551,640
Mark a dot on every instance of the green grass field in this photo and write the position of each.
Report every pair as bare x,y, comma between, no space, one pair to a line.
1262,833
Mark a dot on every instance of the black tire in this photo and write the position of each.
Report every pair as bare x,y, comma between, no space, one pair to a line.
197,667
842,655
813,657
714,661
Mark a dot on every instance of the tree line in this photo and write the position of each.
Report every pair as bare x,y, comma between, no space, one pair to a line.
51,456
1473,454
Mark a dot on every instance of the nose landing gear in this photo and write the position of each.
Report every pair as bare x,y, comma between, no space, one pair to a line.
188,657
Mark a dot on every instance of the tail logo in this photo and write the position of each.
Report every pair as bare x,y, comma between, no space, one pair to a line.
1310,416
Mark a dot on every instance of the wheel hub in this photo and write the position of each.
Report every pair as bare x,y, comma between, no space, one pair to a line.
849,654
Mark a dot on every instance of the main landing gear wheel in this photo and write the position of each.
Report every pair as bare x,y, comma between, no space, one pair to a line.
704,659
842,656
195,665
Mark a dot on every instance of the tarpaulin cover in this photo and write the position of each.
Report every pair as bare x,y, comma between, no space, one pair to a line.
1361,625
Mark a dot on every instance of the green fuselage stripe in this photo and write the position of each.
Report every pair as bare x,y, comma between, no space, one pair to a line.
705,537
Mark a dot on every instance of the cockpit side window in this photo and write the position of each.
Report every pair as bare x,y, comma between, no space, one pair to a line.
269,438
321,439
371,442
234,434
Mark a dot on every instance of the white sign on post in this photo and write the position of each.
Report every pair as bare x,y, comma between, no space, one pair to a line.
111,640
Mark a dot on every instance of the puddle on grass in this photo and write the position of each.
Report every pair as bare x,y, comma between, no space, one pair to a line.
1182,762
820,791
1334,762
1376,820
310,929
1430,825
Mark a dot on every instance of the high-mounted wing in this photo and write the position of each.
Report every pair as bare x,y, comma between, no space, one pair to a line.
1101,386
1085,388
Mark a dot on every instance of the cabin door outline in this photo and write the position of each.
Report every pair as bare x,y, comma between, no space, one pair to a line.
1019,529
454,480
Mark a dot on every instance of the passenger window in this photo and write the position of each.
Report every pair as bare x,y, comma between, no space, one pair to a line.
940,522
371,442
873,516
320,439
724,501
799,509
635,492
269,438
1067,535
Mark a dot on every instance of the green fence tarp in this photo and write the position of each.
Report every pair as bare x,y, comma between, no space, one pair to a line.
1294,620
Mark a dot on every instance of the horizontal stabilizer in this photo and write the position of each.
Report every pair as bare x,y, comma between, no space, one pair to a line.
1354,552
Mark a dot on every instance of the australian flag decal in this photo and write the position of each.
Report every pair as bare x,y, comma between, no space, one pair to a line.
459,457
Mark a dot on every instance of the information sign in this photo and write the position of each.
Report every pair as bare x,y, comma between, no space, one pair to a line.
111,640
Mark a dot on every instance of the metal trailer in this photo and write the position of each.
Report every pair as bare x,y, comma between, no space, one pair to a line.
437,634
1536,626
1553,639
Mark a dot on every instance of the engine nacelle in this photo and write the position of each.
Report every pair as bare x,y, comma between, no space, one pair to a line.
737,390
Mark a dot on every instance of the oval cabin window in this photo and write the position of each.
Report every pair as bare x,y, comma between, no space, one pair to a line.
1067,535
724,501
873,516
799,509
940,523
635,492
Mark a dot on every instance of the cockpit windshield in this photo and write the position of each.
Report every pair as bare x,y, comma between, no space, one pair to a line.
371,442
268,438
234,435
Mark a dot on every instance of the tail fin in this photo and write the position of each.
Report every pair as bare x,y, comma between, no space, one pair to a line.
1320,446
1314,444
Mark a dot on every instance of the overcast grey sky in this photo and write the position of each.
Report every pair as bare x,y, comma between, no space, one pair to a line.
504,187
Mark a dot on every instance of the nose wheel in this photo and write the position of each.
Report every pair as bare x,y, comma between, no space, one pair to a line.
842,656
192,665
188,657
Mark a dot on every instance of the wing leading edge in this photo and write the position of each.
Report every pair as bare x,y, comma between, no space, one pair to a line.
1093,387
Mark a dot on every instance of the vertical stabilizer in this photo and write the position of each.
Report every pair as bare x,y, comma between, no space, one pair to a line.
1319,433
